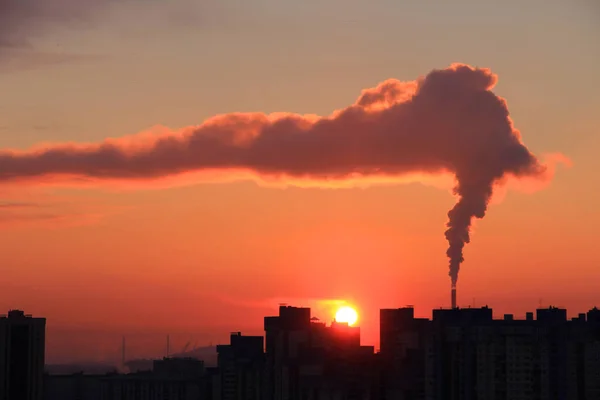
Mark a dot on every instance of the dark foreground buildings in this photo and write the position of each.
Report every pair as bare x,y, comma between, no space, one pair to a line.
458,354
307,360
466,354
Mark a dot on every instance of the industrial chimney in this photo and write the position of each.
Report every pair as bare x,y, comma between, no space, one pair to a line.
453,296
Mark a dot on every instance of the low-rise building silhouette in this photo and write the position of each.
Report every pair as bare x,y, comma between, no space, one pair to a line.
170,378
74,386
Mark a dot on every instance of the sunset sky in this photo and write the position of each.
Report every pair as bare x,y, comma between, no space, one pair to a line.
203,259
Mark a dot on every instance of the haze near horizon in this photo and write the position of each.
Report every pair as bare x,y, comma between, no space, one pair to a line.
93,240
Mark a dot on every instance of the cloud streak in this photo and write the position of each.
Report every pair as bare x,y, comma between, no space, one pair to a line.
449,121
52,212
21,20
18,60
16,205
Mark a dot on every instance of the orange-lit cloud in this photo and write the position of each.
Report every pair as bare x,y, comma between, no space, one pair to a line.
446,123
396,132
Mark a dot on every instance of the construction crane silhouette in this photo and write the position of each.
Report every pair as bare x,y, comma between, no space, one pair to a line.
186,347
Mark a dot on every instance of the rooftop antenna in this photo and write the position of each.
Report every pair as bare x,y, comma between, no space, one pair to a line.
186,347
123,352
168,346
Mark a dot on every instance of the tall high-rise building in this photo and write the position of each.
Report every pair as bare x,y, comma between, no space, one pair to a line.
241,368
307,360
285,336
402,354
22,347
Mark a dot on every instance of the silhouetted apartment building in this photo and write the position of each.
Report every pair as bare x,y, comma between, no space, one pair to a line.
240,369
402,353
307,360
22,348
466,354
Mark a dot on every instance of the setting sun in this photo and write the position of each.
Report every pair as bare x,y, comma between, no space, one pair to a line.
346,314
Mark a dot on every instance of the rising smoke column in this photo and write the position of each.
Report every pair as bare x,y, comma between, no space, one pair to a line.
446,122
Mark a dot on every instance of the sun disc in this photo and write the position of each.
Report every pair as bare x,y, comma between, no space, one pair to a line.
347,315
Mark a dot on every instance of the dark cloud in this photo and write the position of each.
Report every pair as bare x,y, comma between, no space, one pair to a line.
24,59
24,21
447,122
21,20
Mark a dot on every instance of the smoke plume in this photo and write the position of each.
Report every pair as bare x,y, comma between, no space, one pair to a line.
446,122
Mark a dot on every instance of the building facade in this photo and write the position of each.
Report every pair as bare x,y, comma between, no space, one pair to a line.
170,379
241,368
78,386
307,360
22,350
466,354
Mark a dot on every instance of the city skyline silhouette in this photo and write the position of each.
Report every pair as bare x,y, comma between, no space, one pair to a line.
459,353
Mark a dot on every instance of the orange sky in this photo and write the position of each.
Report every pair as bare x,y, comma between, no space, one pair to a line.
225,263
202,260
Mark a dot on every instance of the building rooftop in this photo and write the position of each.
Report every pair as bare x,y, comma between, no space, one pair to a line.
16,314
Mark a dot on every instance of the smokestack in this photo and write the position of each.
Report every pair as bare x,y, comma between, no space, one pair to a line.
453,296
